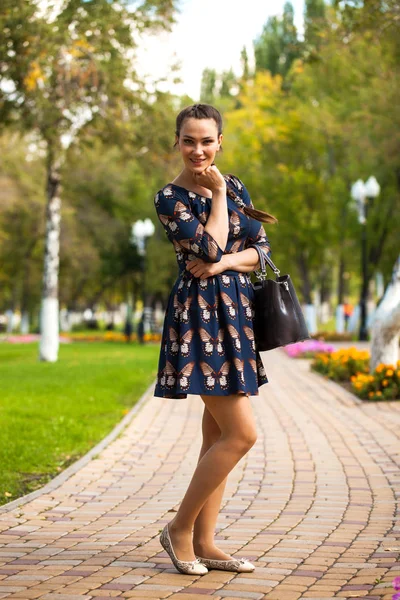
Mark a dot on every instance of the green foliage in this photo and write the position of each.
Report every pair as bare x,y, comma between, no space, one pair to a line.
314,21
71,66
300,142
21,223
278,45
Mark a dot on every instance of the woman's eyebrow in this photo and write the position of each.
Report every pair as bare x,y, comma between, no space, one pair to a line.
208,137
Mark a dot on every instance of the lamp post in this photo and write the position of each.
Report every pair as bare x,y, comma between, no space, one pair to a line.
362,193
141,230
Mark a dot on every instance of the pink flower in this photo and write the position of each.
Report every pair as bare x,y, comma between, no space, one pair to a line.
396,584
299,348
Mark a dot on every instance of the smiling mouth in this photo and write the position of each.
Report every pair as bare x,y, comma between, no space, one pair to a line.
197,161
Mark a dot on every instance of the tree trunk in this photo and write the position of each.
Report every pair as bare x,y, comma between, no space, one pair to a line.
305,279
49,317
341,285
386,324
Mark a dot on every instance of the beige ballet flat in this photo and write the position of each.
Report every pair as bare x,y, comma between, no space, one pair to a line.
187,567
238,565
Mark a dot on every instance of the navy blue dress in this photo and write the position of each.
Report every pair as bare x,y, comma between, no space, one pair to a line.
207,345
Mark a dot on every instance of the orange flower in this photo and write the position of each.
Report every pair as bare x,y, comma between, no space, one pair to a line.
385,382
389,373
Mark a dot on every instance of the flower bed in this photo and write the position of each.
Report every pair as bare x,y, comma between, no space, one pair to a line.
350,367
332,336
28,338
74,336
111,336
342,364
381,384
307,349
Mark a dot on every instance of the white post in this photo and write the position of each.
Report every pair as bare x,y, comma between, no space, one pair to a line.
339,319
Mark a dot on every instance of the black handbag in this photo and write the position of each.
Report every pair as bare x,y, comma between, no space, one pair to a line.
278,318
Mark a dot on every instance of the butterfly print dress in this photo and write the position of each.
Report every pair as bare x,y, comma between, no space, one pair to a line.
207,344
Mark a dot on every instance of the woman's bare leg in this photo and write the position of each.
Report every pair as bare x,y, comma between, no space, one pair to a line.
234,416
204,525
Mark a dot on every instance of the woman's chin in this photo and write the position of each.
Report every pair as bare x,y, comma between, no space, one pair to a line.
199,168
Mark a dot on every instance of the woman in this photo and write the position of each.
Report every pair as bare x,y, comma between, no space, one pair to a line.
208,346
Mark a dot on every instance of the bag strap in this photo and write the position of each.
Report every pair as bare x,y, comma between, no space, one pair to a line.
262,273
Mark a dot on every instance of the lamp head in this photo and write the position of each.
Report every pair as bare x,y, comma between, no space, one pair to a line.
372,188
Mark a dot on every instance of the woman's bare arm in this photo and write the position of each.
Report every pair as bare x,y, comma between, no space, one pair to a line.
244,261
218,219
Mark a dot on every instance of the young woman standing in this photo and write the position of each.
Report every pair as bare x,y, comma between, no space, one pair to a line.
208,346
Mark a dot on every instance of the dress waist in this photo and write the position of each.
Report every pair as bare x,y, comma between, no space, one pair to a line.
185,274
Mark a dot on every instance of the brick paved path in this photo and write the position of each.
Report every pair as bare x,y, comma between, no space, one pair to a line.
313,504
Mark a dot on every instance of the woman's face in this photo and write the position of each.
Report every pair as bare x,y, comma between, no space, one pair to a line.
198,143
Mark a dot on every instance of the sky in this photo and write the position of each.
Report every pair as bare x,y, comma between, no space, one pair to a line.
208,34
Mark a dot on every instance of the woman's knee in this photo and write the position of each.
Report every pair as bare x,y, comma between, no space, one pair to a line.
233,416
245,438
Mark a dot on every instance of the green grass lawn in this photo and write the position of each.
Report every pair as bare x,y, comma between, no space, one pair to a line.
53,413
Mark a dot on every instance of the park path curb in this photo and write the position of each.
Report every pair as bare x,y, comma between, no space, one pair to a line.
78,464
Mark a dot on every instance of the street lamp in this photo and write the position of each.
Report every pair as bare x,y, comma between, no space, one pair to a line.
141,230
362,193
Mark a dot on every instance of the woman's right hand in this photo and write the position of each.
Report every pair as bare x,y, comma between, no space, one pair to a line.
211,178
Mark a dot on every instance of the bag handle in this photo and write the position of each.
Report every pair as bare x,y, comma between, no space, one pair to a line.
262,273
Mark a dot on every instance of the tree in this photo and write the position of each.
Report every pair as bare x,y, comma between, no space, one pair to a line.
21,226
314,21
277,46
386,324
60,71
208,86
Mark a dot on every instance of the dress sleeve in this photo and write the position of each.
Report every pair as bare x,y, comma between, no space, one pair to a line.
259,238
181,225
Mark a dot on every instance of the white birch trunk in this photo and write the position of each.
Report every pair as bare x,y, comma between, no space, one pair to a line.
49,320
24,323
386,324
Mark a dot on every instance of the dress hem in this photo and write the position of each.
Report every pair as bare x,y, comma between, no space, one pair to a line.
183,395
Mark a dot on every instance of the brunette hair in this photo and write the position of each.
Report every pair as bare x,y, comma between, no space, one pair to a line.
206,111
198,111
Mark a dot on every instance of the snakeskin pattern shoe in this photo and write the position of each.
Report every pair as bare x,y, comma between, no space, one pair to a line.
239,565
187,567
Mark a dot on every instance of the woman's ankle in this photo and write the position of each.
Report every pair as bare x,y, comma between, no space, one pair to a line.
176,526
203,547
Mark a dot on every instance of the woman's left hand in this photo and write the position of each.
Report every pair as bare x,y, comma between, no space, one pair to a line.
202,269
